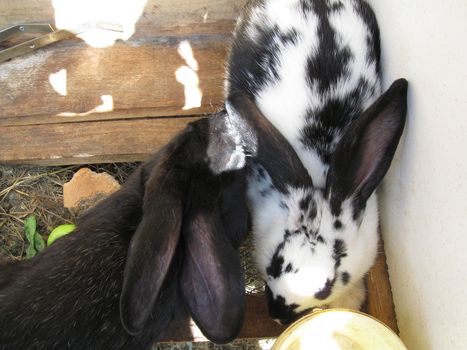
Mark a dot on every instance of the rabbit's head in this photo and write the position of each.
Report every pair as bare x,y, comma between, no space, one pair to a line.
194,217
314,245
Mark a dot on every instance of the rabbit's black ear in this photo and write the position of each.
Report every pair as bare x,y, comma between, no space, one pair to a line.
155,240
367,148
271,149
211,279
232,206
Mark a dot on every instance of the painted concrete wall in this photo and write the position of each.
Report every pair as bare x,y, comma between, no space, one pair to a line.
424,196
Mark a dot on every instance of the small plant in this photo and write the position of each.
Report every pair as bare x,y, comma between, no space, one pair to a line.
36,242
60,231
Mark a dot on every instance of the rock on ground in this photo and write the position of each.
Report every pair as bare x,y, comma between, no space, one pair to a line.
86,188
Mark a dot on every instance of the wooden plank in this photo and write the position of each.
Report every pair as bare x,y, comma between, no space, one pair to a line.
137,79
87,142
138,74
380,302
150,17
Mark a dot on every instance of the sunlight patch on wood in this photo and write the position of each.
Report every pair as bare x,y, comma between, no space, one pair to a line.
104,21
58,82
188,76
106,106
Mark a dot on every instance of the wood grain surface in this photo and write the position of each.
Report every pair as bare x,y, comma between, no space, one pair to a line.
139,79
157,17
379,301
138,72
87,142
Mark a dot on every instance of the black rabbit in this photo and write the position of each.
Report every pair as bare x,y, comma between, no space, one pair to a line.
141,262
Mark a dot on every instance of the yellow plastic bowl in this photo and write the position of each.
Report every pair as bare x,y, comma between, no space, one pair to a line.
338,329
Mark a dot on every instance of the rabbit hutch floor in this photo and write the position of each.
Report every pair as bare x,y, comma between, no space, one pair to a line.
72,103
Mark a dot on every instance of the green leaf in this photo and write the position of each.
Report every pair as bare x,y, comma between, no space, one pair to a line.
39,242
30,251
30,228
60,231
30,232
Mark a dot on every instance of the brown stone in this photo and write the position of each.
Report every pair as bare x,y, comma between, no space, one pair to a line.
87,188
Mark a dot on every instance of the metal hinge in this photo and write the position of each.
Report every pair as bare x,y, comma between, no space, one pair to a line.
51,36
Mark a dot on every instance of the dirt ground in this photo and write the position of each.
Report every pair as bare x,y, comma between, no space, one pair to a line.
32,190
38,191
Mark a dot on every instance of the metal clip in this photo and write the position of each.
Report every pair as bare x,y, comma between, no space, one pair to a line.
52,35
28,46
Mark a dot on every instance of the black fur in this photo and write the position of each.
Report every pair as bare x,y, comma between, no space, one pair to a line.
275,268
373,40
339,251
338,225
278,308
329,64
70,296
345,277
325,291
67,296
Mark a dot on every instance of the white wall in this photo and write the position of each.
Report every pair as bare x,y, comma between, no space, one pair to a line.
424,196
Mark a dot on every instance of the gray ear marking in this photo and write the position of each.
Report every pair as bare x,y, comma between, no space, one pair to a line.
226,149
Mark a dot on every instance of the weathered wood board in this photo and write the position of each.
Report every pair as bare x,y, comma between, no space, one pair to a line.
151,17
87,142
138,78
380,303
137,74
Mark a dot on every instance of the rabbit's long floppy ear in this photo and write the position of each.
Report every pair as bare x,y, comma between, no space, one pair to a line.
156,237
365,152
273,151
211,279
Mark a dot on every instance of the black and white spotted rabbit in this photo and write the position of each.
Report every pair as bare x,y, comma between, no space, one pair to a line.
312,68
140,263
